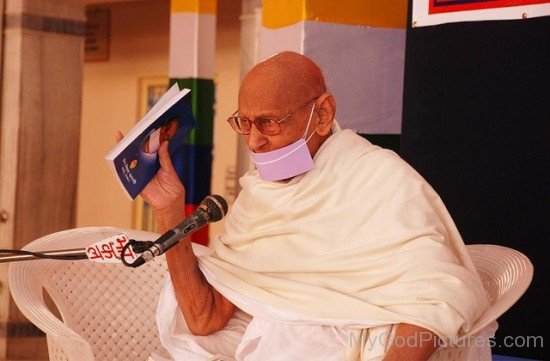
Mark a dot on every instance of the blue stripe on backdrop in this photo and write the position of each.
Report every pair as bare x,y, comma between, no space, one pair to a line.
193,164
510,358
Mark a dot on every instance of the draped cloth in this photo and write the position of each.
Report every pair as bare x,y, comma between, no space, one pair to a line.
359,242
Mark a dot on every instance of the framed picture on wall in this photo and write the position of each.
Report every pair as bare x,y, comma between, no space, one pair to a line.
96,45
150,89
434,12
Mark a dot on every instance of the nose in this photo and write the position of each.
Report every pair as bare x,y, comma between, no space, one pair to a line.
256,140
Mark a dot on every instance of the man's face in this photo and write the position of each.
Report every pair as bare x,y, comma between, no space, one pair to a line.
279,86
254,106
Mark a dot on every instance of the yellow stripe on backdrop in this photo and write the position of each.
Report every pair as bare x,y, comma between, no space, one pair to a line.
375,13
193,6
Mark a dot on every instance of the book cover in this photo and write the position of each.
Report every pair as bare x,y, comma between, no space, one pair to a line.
134,161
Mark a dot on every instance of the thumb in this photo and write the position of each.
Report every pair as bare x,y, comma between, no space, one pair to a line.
118,136
164,158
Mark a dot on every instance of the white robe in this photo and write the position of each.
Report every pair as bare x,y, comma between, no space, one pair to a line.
361,242
268,338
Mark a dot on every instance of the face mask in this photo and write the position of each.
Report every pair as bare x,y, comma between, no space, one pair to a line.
286,162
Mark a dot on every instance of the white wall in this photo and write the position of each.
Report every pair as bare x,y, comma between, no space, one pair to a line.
227,81
139,48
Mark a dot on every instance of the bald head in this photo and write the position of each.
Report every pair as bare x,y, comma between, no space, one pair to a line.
287,85
286,79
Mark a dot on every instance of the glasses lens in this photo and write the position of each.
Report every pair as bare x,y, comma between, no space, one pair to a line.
233,122
268,126
240,125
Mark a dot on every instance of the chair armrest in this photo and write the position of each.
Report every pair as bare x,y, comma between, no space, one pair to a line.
506,274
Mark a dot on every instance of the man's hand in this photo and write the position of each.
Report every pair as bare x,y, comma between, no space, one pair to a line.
412,343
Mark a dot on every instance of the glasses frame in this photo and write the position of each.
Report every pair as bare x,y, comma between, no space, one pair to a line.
278,121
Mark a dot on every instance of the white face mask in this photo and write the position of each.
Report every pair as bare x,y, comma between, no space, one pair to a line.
286,162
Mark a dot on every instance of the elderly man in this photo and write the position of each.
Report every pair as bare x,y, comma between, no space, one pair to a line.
335,248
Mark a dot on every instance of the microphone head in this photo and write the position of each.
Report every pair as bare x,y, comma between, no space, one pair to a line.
215,207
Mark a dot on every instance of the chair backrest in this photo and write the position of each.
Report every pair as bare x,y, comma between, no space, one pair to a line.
108,310
506,275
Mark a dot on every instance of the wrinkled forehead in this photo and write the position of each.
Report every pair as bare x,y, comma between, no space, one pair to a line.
268,90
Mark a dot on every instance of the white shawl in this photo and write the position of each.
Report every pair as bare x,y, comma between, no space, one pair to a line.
361,237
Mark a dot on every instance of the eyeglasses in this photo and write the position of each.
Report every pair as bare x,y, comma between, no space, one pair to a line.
266,125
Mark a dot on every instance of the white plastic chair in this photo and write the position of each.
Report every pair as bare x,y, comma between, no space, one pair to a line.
108,310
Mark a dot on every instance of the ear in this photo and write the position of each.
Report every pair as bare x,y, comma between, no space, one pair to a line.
326,108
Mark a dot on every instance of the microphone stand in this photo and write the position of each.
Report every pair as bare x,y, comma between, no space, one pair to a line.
66,254
211,209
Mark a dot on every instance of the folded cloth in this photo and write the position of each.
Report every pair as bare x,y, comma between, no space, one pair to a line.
278,335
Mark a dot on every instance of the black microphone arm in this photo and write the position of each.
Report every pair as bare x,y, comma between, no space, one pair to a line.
212,209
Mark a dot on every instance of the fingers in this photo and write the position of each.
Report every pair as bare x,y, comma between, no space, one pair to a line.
118,136
164,158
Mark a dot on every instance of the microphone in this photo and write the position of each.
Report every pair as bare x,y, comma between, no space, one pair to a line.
211,209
